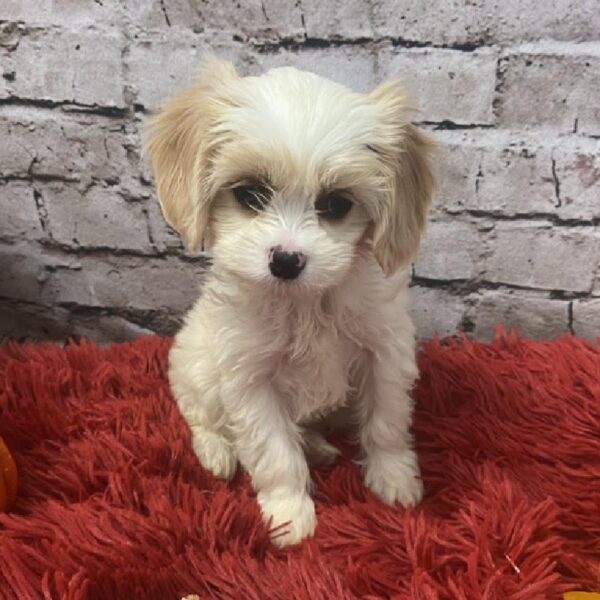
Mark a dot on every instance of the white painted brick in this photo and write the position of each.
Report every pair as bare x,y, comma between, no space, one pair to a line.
457,164
515,180
78,148
578,174
337,19
16,157
436,312
266,19
507,176
546,90
9,39
448,85
160,67
141,52
450,250
65,66
71,13
535,316
152,15
127,282
19,218
99,218
351,66
586,318
541,256
488,21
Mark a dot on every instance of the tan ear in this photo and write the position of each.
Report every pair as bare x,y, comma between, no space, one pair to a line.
407,155
180,144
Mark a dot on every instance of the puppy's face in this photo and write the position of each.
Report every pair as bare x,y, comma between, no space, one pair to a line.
287,176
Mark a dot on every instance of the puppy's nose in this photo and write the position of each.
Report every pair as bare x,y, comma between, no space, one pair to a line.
286,265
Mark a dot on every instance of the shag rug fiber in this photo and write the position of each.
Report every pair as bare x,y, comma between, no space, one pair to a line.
113,503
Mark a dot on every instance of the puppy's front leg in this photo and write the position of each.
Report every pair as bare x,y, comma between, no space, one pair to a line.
391,466
268,445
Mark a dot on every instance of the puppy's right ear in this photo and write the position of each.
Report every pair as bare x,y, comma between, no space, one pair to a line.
180,143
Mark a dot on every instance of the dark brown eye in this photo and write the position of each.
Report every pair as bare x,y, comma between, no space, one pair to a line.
333,206
253,196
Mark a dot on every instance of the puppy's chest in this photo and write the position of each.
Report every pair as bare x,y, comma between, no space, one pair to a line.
316,371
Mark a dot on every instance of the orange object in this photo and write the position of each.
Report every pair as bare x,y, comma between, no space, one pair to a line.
8,478
581,596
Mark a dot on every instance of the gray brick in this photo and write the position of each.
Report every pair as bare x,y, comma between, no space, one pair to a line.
97,218
38,322
20,218
266,19
516,180
77,148
500,174
71,13
151,15
161,66
349,65
457,164
104,329
449,85
16,156
487,21
337,19
163,237
541,256
24,268
450,250
535,316
436,312
526,148
65,66
31,322
586,318
578,176
547,90
127,283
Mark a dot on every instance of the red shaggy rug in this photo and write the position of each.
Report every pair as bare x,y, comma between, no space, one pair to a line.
113,503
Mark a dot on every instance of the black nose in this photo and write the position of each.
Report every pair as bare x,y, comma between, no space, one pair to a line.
286,265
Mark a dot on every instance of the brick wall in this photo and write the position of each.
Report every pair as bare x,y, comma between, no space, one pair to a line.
511,90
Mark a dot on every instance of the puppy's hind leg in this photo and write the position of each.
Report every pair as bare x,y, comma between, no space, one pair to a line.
317,449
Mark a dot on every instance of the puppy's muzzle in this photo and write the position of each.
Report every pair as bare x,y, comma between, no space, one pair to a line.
286,265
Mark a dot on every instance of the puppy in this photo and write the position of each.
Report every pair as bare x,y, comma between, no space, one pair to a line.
312,199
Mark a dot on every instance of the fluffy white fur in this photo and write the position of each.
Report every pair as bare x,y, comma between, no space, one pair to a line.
260,361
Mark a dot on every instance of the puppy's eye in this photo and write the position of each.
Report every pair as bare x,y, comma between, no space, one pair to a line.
333,206
254,196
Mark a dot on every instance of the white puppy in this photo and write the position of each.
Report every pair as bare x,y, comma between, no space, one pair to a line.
312,199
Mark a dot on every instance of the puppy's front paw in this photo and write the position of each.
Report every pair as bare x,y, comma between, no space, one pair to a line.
215,452
395,477
287,506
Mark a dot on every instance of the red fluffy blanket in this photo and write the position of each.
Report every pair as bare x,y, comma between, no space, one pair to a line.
113,503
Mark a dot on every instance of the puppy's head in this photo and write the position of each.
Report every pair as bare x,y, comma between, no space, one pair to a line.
287,176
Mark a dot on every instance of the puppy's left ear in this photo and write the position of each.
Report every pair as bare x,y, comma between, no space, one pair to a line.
407,155
181,143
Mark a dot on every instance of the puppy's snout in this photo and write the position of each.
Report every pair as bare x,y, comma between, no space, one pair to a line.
286,265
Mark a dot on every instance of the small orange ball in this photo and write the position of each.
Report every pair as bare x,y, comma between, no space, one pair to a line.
8,478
